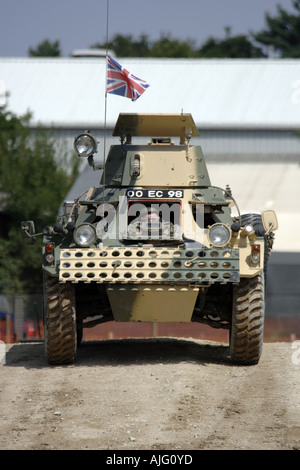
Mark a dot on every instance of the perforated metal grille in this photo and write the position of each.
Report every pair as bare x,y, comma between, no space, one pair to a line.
149,265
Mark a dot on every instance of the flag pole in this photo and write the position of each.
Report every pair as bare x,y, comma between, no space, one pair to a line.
105,100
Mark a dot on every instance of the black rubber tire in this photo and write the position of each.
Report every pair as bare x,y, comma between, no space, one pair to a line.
256,221
59,321
247,326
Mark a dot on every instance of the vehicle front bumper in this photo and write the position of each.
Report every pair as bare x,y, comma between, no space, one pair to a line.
149,265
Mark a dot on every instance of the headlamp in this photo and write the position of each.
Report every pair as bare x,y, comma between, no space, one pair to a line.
85,235
85,145
219,235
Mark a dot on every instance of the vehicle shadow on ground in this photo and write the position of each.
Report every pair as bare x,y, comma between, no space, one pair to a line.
127,351
150,351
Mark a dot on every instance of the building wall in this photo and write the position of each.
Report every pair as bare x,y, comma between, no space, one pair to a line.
246,145
237,145
283,285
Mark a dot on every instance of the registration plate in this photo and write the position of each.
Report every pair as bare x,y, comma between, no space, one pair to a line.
154,193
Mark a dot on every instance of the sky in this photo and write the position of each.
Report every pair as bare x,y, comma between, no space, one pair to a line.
79,24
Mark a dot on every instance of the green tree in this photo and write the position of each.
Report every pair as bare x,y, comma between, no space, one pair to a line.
32,186
46,49
230,47
165,46
169,47
127,46
282,32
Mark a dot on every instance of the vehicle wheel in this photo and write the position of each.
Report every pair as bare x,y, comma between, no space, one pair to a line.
256,221
247,325
59,321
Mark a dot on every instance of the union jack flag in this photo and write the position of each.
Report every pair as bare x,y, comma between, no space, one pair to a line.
123,83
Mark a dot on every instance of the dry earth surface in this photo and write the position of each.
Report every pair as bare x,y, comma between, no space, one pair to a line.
155,394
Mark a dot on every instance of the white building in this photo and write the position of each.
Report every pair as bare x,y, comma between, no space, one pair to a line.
247,113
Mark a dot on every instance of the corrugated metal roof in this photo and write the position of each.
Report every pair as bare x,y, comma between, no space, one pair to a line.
70,92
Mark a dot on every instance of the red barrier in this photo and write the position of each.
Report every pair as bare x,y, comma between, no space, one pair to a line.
276,329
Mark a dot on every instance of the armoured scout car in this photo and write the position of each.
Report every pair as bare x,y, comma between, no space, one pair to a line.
154,242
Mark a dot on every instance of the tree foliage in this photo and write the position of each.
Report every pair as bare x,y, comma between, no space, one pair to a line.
127,46
282,32
46,48
32,186
231,47
165,46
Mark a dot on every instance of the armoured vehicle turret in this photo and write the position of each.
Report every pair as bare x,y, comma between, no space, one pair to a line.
154,242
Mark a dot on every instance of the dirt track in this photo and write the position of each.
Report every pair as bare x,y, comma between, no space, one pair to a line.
154,394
